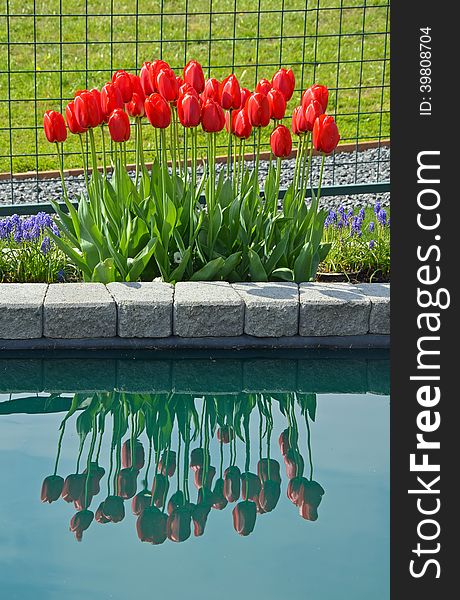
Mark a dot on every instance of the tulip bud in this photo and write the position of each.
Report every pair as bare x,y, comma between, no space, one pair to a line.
178,526
122,81
200,514
74,487
232,483
230,93
167,464
258,110
113,509
310,499
299,121
158,111
225,434
316,92
242,127
96,473
176,501
263,87
99,516
244,517
140,501
212,116
167,84
219,500
155,68
250,486
135,107
325,134
160,488
54,126
211,90
127,479
87,110
189,110
151,526
281,142
284,81
111,99
269,495
51,488
80,523
100,118
203,479
312,112
288,439
119,126
294,463
145,79
194,76
268,469
277,103
127,455
245,93
70,117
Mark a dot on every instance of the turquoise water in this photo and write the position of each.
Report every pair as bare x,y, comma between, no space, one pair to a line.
336,407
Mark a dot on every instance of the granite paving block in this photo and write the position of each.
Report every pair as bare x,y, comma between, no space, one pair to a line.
144,309
21,310
271,309
379,296
207,309
333,309
79,310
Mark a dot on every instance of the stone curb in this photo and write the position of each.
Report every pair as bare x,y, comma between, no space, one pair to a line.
149,310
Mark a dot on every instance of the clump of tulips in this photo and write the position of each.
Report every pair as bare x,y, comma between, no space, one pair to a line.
162,499
168,222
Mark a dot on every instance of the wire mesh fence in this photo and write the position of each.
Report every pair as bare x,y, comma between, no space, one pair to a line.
51,48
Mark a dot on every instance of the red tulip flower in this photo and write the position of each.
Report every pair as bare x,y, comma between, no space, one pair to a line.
263,87
258,110
158,111
211,90
287,439
135,107
268,469
200,514
245,93
194,76
123,82
189,110
119,126
159,489
281,142
145,79
294,463
277,103
202,479
113,509
299,121
284,81
98,98
250,486
310,499
167,464
176,501
325,134
225,434
74,487
87,110
312,112
167,84
219,499
70,117
230,93
99,515
151,526
127,455
316,92
80,523
232,483
241,125
51,488
178,526
136,85
54,126
127,478
269,495
197,458
212,116
140,502
244,517
155,68
111,99
186,88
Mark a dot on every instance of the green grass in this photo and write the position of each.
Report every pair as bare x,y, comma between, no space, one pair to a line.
35,83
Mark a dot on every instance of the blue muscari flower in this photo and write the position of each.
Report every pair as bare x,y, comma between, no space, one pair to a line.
377,207
371,226
61,276
46,245
382,217
331,219
371,244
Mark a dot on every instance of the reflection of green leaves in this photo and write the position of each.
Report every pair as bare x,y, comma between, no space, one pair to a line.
307,402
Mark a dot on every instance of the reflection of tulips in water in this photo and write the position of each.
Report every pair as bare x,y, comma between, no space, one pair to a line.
164,509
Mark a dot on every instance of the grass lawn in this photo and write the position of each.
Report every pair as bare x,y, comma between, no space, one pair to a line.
95,45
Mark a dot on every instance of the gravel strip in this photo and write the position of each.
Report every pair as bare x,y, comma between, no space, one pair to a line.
342,169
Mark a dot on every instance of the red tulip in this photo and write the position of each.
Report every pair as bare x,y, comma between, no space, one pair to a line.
244,517
212,116
186,88
54,126
167,463
230,93
99,515
193,75
269,495
80,523
284,81
100,113
87,110
232,483
167,84
51,488
287,439
136,85
281,142
176,501
197,458
268,469
155,68
325,134
250,486
135,107
263,87
111,99
316,92
70,117
151,526
145,79
119,126
219,500
204,481
138,454
277,103
211,90
299,121
74,487
258,110
312,112
200,514
241,125
158,111
127,479
206,496
189,110
310,500
294,463
140,502
178,526
245,93
160,488
225,434
113,509
123,82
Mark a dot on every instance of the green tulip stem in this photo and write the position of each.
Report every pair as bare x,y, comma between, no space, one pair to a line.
304,165
58,454
235,164
229,145
260,432
90,455
163,169
186,463
307,174
112,446
256,178
179,448
101,434
93,150
132,439
318,194
186,156
60,154
141,144
206,450
149,462
85,166
136,146
194,160
221,458
296,167
104,158
309,445
247,440
277,186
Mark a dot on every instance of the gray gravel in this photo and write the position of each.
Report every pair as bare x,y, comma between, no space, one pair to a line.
341,169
